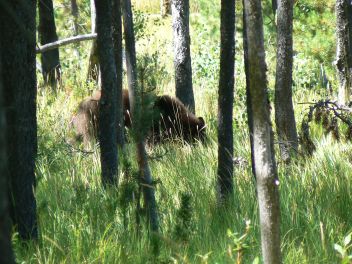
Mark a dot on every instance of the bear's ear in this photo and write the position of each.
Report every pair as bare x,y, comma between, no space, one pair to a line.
201,122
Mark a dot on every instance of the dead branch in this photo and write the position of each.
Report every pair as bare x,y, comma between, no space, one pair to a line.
334,107
64,42
72,149
330,112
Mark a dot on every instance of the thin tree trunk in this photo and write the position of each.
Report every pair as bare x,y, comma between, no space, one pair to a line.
284,113
135,98
344,50
349,18
93,17
182,61
265,165
17,43
248,94
274,6
47,34
130,49
225,100
93,64
117,38
74,11
108,101
6,256
148,188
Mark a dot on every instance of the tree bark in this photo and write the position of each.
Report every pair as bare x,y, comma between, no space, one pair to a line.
117,39
284,113
17,43
135,99
265,165
248,94
47,34
108,101
182,61
130,49
274,6
225,100
344,50
74,11
75,27
93,64
6,255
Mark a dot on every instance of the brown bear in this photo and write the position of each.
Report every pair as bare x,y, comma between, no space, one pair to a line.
176,121
173,120
85,122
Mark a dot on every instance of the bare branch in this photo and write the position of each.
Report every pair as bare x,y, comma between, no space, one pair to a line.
64,42
72,149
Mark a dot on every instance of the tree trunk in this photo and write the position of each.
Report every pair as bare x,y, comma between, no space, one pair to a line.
117,39
108,101
74,11
75,27
130,49
284,113
148,186
17,43
182,61
265,165
274,6
225,100
248,94
344,49
135,98
165,6
47,34
93,64
6,255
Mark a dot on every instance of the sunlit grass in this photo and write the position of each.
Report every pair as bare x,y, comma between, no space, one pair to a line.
81,222
153,6
147,5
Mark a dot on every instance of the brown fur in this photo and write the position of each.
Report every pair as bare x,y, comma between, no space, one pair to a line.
85,121
174,120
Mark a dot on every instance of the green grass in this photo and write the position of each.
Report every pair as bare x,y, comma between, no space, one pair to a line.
80,222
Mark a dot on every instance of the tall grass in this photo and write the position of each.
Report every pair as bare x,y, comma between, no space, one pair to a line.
82,223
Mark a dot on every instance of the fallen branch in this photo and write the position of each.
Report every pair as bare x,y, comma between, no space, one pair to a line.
72,149
329,114
64,42
338,111
339,107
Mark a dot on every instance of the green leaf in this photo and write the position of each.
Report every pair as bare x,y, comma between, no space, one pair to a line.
256,260
347,239
339,249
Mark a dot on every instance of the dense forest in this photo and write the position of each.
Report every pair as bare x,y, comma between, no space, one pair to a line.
175,131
